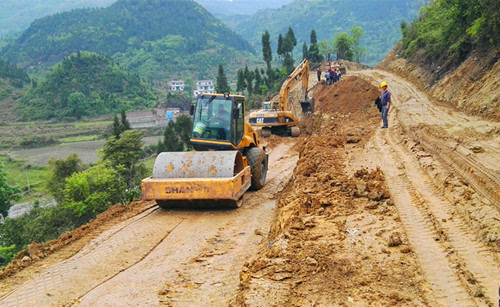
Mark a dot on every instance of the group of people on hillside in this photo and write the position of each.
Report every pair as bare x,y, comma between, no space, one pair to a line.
331,75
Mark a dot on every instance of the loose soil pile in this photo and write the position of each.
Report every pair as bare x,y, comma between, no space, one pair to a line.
337,237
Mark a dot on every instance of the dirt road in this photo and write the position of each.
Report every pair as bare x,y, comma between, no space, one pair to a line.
351,214
172,257
443,172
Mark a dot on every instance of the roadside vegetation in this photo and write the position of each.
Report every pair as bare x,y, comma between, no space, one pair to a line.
81,191
446,32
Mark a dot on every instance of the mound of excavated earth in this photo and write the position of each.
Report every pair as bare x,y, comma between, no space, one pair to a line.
337,236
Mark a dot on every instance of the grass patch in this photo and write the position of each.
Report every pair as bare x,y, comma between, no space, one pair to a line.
80,138
149,162
20,173
92,124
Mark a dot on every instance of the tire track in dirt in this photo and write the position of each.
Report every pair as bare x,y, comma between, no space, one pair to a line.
457,132
444,281
174,257
200,260
481,178
116,251
477,269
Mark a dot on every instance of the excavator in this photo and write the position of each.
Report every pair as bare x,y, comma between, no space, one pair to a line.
276,117
227,160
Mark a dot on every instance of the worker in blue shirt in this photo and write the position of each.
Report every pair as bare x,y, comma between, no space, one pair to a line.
385,103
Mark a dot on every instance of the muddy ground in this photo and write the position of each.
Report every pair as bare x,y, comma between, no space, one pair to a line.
351,215
337,237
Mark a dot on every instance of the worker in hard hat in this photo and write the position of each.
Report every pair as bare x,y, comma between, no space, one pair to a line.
385,103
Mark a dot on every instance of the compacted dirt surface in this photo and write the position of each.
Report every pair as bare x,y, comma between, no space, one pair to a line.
351,215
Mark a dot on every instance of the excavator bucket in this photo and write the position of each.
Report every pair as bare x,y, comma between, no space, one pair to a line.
307,106
198,179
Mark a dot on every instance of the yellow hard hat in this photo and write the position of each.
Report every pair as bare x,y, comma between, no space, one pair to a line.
383,84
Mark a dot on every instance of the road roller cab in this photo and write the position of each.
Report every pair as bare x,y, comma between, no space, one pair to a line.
226,163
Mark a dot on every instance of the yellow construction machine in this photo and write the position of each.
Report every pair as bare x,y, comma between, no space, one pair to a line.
333,61
276,117
227,161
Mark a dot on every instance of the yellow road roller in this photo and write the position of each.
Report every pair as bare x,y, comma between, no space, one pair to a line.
227,160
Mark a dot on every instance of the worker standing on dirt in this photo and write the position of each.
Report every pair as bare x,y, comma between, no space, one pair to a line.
385,102
334,76
327,77
318,72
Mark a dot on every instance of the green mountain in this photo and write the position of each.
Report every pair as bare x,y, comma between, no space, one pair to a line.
129,28
380,21
16,16
240,7
85,84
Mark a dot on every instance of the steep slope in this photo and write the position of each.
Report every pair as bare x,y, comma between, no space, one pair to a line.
473,87
380,22
124,27
454,51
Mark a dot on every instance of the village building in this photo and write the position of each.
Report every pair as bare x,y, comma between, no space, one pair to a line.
204,86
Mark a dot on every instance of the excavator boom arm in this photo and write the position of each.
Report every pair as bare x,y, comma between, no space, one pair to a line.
301,73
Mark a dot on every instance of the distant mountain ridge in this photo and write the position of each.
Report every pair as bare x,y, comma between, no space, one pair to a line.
16,16
122,27
380,21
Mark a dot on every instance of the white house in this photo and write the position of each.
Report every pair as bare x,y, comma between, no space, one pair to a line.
204,86
175,85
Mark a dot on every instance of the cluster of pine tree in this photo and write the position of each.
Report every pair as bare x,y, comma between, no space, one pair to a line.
15,75
264,80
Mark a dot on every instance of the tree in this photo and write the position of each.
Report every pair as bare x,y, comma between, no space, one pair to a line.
359,52
323,48
279,51
222,86
77,105
258,82
91,192
343,43
267,53
123,154
249,79
62,169
8,193
241,83
117,129
171,139
120,125
288,63
124,122
305,51
183,126
314,54
290,41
